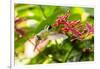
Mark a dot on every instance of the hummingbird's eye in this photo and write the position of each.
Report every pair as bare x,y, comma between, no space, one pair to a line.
50,27
39,38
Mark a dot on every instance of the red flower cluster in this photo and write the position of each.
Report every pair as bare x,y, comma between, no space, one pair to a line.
74,27
19,31
89,28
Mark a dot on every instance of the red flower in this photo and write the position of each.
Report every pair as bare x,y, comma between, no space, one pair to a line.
73,27
89,28
61,20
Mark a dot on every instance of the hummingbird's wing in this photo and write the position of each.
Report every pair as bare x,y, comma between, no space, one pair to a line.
55,36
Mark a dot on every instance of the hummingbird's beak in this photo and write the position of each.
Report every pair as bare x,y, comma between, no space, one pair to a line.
31,49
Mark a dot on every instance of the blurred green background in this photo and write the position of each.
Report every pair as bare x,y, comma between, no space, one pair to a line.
56,51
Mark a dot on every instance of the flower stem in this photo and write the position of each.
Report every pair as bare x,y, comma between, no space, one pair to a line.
67,55
42,10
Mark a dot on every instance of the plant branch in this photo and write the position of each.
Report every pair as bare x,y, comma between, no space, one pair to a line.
68,54
42,10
